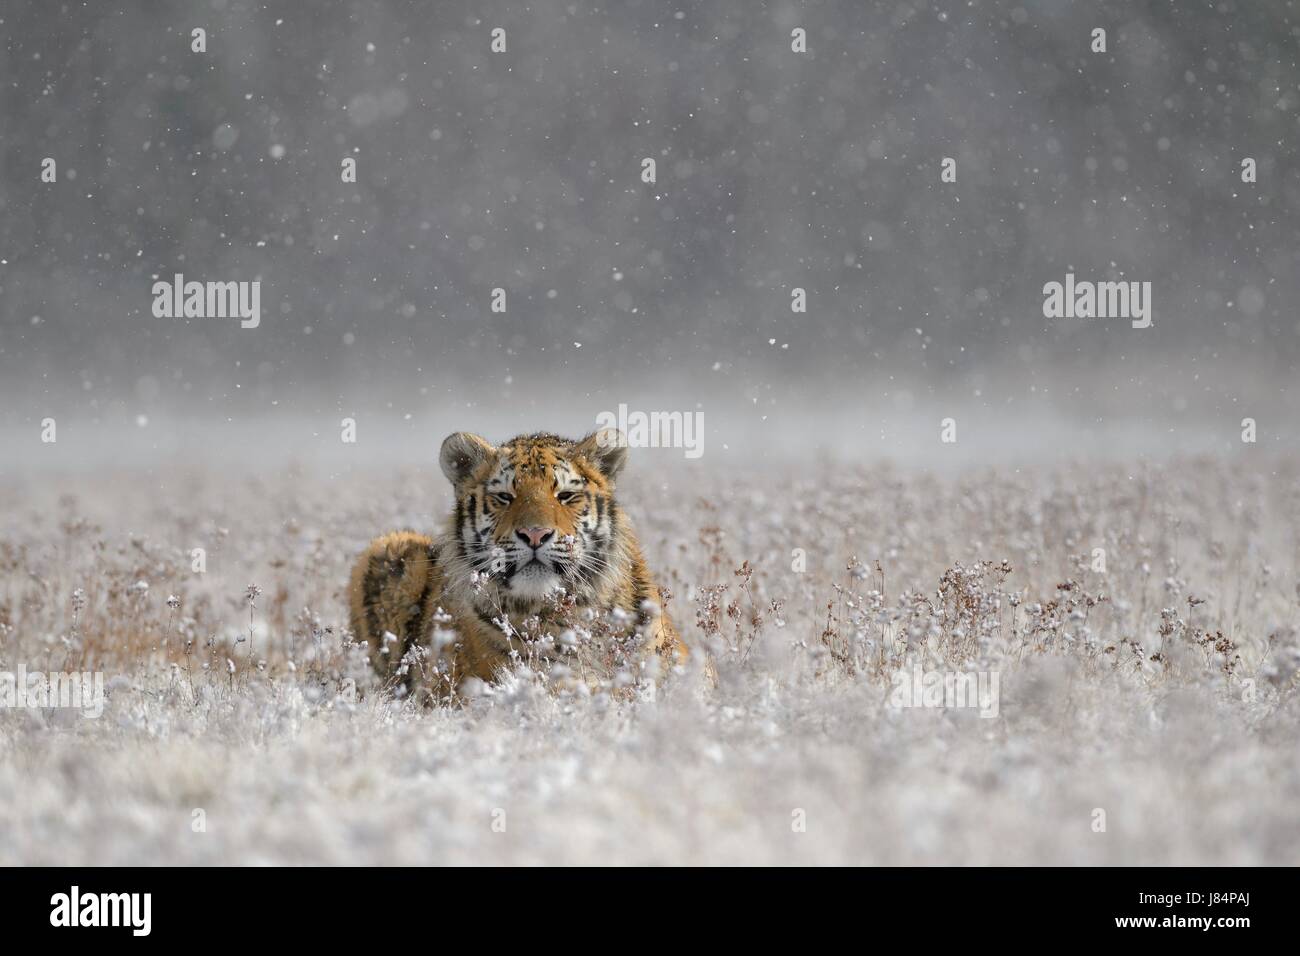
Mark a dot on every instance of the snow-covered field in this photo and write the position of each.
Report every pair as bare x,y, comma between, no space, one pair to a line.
1146,713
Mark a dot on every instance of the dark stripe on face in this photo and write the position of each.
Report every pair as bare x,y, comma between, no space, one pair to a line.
460,538
598,542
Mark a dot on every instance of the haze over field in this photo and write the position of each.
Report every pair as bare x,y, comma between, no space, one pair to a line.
776,170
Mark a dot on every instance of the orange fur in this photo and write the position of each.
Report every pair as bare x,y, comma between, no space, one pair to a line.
485,568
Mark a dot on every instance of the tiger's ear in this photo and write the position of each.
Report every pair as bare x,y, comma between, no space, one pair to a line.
606,449
461,455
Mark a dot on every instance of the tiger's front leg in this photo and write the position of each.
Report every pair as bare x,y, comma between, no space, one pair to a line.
392,597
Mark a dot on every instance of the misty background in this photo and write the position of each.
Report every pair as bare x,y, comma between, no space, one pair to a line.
522,170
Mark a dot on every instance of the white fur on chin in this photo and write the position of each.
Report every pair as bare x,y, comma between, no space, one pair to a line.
534,582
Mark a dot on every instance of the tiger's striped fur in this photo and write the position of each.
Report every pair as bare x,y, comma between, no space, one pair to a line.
535,515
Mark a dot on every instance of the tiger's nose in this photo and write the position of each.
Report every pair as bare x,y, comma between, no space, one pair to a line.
535,537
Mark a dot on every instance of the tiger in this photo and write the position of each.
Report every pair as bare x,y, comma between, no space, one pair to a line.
536,534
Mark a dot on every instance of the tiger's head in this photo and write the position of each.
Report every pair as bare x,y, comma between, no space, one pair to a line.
537,514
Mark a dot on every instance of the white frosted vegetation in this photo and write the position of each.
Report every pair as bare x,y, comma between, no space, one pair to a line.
1127,691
